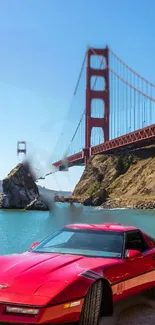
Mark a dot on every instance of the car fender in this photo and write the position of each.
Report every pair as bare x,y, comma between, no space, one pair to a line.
77,288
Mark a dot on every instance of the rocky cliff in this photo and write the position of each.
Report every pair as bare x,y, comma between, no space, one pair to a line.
121,180
1,186
20,190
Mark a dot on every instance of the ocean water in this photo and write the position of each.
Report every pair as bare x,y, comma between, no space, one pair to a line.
18,229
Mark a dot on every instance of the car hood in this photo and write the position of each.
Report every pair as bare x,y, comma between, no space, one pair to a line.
29,272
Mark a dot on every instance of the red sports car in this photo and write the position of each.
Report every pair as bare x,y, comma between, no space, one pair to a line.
75,275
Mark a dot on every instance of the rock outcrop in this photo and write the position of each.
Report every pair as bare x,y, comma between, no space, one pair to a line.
119,180
20,190
37,204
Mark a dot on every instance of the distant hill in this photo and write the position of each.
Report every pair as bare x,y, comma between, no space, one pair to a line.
45,191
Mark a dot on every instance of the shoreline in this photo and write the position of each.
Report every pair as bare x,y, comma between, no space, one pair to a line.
133,203
138,203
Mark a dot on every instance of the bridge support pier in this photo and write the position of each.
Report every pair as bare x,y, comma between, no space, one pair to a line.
91,122
86,152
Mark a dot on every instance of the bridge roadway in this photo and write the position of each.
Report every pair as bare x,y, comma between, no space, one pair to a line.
136,139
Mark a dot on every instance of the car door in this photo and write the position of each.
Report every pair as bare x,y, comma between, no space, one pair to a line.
132,275
138,270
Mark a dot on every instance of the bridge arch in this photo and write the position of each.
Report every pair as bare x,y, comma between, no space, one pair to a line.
97,108
97,62
97,83
97,136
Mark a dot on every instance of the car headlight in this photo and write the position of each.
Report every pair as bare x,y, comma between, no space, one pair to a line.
21,310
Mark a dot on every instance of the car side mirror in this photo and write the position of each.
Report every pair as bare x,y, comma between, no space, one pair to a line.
133,253
34,245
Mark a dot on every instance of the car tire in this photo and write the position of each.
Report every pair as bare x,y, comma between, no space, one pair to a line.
152,293
90,313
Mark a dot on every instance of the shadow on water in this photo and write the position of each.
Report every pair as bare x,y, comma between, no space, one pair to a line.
19,229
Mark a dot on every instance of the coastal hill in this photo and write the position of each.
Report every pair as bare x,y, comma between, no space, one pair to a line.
119,180
19,190
45,191
123,179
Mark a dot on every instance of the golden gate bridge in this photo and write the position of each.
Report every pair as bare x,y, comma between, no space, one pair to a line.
113,110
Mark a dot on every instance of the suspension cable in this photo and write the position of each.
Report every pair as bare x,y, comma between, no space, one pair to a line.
84,109
73,96
77,127
133,71
123,80
79,77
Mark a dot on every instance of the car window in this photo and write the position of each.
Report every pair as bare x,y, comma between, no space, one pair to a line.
60,239
84,242
135,240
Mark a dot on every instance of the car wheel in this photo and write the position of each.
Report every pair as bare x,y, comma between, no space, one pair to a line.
152,293
90,313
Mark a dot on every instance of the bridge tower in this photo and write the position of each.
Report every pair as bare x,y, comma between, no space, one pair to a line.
21,149
91,122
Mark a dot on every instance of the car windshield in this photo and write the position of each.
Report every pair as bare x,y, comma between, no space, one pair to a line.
108,244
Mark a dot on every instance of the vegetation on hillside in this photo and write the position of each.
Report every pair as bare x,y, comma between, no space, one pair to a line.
125,176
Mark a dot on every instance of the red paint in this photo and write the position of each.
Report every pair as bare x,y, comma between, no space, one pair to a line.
91,94
132,253
106,226
46,281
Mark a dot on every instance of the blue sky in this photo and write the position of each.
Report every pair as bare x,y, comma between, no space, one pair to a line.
42,47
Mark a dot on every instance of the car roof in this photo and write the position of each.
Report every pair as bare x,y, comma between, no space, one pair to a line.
109,226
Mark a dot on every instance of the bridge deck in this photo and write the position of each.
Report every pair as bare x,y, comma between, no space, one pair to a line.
139,138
